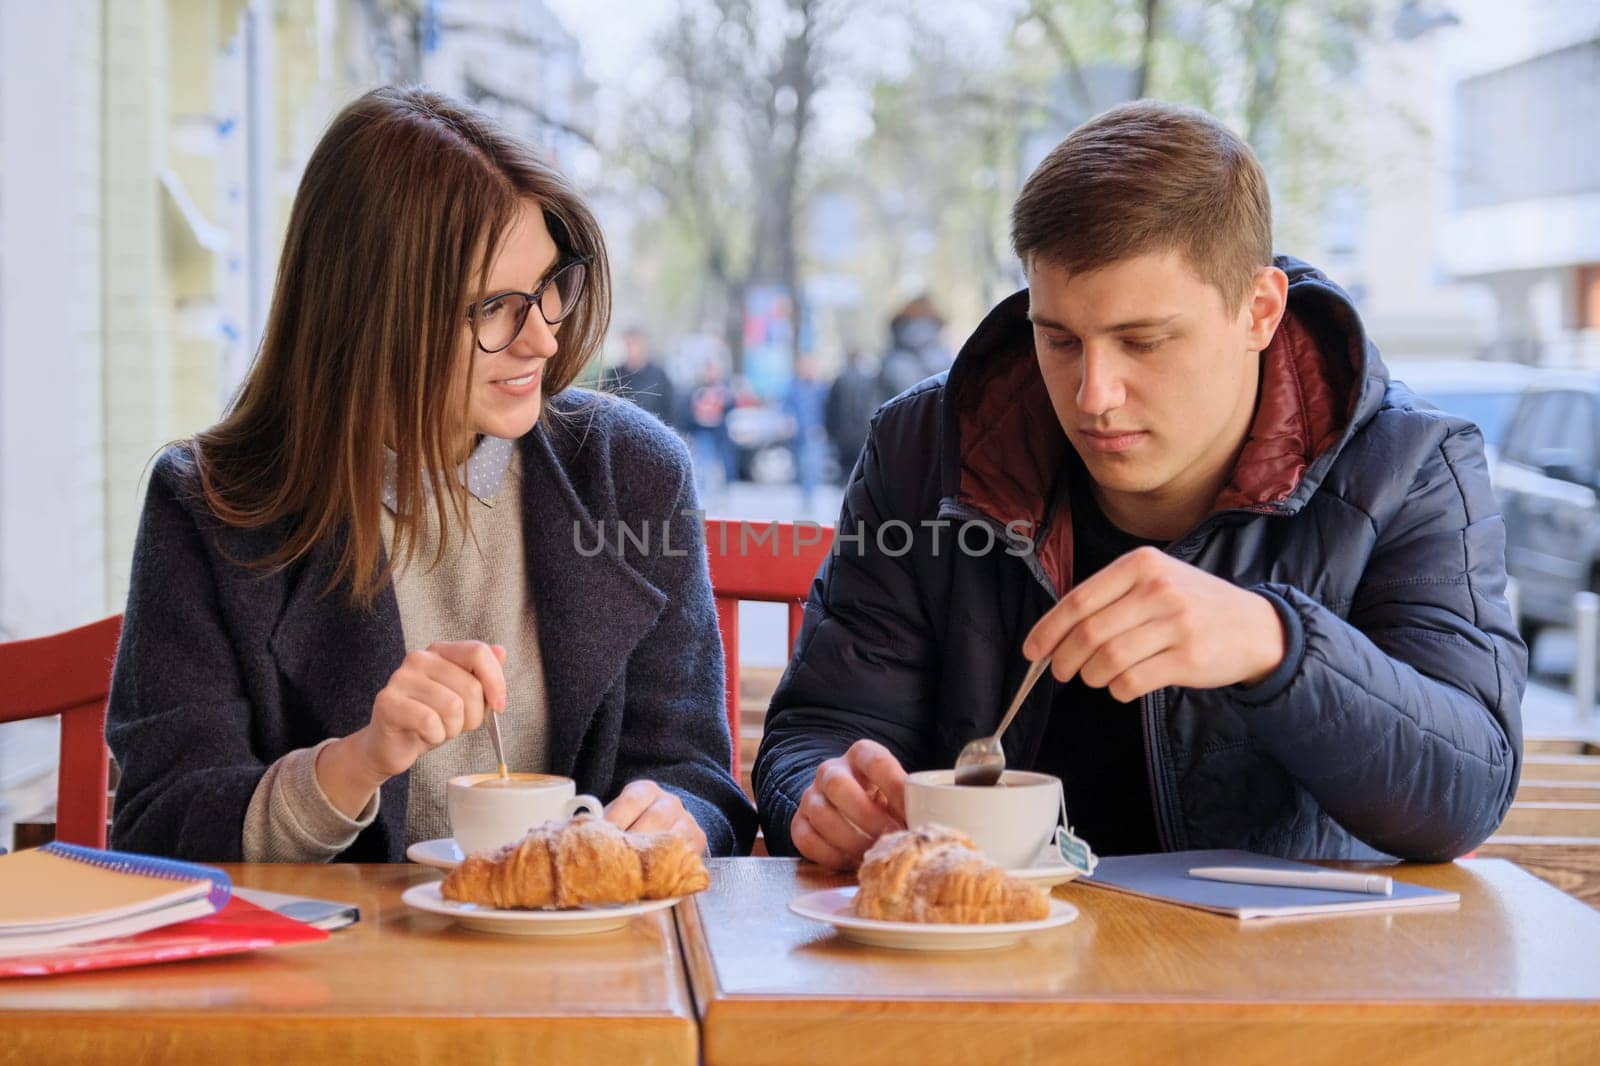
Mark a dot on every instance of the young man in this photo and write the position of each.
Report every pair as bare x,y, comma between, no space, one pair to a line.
1271,582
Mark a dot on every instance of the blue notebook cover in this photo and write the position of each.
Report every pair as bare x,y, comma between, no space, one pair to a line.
150,866
1165,876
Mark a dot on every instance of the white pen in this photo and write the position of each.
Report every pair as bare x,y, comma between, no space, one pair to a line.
1328,880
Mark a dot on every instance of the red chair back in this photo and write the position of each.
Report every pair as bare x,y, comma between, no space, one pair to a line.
68,674
767,562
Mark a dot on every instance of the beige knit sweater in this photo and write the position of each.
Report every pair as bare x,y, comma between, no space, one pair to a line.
478,591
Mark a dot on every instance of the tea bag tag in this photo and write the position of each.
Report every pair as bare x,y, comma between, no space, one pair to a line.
1073,849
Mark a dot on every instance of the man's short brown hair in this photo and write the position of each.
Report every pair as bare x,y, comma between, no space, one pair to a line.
1149,177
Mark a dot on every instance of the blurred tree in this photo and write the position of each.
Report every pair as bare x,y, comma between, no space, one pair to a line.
396,33
954,136
722,140
1281,72
722,153
401,32
937,177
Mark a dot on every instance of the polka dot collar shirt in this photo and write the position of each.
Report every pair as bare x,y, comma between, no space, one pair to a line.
482,473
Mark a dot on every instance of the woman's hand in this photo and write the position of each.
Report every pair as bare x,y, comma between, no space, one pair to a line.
648,808
438,693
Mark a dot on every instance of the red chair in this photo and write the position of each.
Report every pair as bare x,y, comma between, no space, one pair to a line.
767,562
68,674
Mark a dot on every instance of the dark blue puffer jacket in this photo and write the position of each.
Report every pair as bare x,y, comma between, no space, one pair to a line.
1393,726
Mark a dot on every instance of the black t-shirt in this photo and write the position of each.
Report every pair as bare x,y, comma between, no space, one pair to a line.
1094,742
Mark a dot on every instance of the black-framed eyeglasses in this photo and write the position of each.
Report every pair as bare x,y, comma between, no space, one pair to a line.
500,318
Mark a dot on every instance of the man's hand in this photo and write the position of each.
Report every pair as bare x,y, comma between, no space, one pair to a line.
854,800
1148,621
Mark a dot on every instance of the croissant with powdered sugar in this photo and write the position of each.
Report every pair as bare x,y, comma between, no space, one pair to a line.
934,874
579,861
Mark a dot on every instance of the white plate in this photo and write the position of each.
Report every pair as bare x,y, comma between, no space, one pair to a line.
833,906
426,897
441,854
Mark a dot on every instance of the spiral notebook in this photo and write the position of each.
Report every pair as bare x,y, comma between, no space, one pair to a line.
61,895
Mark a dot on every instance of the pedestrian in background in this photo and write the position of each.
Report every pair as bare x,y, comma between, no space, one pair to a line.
805,402
916,350
641,379
706,415
852,399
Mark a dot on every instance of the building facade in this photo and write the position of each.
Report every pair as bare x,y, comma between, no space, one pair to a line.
149,155
1523,177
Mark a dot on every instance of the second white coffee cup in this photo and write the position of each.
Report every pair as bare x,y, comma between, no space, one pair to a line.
486,812
1010,822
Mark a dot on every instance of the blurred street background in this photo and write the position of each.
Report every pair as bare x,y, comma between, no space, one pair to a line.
806,203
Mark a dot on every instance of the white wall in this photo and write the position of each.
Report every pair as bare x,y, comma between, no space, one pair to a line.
52,476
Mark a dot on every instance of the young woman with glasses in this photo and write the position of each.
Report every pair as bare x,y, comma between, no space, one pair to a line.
391,533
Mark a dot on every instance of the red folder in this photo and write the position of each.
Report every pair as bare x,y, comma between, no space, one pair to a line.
239,926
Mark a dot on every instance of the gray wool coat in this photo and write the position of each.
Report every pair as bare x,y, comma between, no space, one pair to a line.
223,668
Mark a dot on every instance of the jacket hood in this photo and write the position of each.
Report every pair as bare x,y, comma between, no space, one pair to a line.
1002,446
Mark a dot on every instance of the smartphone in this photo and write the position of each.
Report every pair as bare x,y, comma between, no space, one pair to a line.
318,913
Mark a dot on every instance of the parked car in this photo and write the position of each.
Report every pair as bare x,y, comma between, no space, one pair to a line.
1548,481
1484,392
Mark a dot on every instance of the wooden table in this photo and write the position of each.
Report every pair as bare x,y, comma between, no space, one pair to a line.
400,986
1511,975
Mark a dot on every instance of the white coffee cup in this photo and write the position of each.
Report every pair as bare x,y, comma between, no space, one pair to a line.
1010,822
486,812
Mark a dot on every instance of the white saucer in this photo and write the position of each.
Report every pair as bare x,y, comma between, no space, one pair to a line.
1046,874
426,897
833,906
441,854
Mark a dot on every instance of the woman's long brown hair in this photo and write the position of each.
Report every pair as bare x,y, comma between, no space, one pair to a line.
397,220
